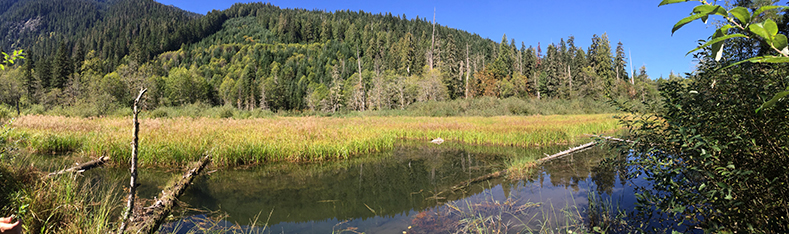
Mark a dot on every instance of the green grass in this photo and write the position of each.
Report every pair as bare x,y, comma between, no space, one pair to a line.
176,141
63,204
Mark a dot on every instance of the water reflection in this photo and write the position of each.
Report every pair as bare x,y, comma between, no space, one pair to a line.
388,192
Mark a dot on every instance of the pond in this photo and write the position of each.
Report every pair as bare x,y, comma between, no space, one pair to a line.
407,189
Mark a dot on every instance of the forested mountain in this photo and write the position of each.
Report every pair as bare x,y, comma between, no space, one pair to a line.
94,54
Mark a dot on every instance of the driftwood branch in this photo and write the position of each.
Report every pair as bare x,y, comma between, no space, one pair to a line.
152,217
611,138
567,152
133,167
82,167
504,172
539,161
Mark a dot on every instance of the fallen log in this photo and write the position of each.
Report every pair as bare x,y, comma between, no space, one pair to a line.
501,173
149,219
567,152
82,167
611,138
539,161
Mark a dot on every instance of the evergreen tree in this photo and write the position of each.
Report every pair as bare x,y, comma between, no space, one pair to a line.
620,63
28,80
44,71
63,66
600,59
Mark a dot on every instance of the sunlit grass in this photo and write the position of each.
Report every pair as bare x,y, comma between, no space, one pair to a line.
176,141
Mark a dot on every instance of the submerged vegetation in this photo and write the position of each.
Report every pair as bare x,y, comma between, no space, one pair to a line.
248,141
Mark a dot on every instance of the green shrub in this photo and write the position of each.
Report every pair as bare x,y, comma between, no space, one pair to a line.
158,113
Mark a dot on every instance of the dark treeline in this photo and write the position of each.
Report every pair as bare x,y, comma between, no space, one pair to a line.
93,54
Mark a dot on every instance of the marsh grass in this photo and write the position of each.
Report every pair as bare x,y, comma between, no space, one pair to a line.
213,223
604,215
62,204
175,141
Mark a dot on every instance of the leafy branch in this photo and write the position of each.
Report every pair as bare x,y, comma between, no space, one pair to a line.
9,59
742,19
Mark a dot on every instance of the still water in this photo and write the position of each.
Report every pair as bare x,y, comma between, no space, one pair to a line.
407,189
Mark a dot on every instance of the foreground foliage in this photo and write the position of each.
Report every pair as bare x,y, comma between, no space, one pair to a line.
716,162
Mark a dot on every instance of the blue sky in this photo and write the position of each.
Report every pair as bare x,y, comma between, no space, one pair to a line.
643,28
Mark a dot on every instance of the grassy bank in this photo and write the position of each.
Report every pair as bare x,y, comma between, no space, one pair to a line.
175,141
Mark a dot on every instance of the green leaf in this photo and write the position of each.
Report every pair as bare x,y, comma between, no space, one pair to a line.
759,30
666,2
767,8
772,101
715,40
719,10
780,43
685,21
771,27
708,9
717,47
769,59
741,14
761,59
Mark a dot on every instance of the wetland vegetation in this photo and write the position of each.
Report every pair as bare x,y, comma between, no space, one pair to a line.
167,142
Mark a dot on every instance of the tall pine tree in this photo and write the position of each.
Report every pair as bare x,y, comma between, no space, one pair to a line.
620,63
600,59
63,66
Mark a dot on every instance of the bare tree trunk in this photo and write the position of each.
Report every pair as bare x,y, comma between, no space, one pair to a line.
537,86
520,62
468,70
632,78
263,96
151,218
360,88
617,74
432,40
133,167
570,77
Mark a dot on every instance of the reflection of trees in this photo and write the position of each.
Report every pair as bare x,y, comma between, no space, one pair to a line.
402,181
570,170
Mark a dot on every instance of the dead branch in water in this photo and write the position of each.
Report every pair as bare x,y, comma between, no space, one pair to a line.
82,167
504,172
151,218
539,161
567,152
611,138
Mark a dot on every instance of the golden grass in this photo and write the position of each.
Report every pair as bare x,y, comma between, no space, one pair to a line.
176,141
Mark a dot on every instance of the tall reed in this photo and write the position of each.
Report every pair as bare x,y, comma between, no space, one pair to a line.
175,141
